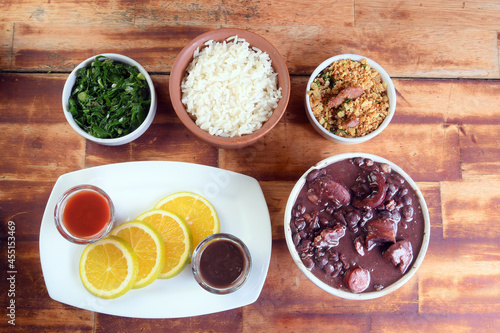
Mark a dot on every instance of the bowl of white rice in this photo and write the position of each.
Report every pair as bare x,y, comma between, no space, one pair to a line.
229,87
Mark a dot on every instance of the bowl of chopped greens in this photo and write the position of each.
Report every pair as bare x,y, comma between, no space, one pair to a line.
109,99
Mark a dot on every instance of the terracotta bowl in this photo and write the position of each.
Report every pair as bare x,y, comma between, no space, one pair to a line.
391,94
418,256
179,70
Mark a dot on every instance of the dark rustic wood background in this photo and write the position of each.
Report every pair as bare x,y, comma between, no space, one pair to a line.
444,58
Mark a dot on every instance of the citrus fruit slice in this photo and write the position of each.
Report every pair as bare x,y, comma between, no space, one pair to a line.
109,267
149,246
177,237
198,212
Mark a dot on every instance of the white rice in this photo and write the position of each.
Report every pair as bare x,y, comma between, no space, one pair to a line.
230,88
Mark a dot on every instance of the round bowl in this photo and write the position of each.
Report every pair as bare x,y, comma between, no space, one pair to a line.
70,82
391,94
178,72
411,270
60,217
217,259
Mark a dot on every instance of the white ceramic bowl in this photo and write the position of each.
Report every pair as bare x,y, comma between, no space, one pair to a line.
70,82
391,94
338,292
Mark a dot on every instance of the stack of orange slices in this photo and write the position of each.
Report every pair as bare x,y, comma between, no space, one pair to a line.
156,244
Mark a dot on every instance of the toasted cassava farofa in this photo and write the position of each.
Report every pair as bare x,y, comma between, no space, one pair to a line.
353,117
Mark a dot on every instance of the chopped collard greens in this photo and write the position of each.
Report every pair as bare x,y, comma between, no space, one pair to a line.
109,99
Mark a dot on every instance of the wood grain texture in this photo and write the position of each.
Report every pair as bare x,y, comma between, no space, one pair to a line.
474,102
276,194
439,323
24,201
6,34
40,150
469,206
160,142
35,311
413,53
432,194
480,153
83,13
31,98
248,12
305,322
228,321
459,277
295,148
473,14
32,121
403,52
444,58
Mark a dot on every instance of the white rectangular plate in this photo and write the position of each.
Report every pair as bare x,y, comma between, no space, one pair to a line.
136,187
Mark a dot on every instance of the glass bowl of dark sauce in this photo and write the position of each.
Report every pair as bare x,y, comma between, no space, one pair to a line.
221,263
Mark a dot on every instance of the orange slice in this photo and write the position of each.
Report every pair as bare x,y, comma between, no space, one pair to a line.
109,267
176,236
149,246
197,211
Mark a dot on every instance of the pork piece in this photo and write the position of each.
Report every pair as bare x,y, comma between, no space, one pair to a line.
400,254
326,187
313,197
380,231
359,246
347,93
357,279
329,237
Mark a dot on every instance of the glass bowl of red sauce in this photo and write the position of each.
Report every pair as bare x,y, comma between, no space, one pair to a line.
221,263
84,214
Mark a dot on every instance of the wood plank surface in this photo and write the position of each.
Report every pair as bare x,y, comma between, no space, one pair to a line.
78,13
473,14
466,201
35,311
424,323
459,277
247,13
479,150
444,58
45,144
443,159
6,34
422,53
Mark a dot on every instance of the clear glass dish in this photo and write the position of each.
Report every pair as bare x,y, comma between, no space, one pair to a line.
63,226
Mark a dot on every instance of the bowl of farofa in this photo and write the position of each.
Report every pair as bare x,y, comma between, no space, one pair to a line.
350,99
109,99
229,87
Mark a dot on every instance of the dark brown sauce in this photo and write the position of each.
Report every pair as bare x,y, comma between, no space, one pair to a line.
221,263
381,271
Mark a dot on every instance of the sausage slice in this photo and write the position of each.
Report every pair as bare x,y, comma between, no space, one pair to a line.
347,93
357,279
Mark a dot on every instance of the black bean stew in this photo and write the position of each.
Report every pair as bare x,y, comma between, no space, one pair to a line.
357,225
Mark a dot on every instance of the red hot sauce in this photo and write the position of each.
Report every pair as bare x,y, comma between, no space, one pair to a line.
86,214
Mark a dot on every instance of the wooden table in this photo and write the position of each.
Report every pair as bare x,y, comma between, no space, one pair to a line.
444,59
